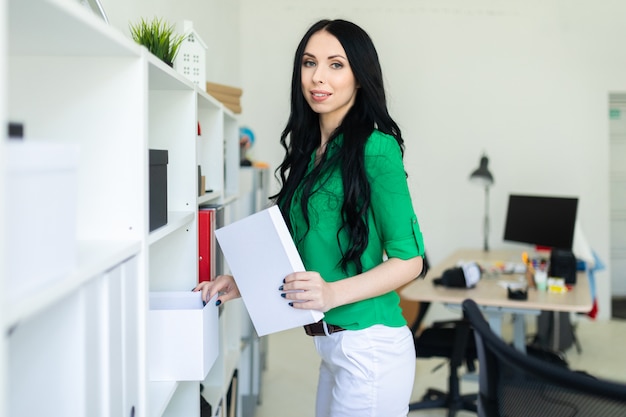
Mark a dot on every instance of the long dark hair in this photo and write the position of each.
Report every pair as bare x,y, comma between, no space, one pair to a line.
302,136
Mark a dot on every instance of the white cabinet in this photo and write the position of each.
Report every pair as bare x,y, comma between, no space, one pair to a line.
78,346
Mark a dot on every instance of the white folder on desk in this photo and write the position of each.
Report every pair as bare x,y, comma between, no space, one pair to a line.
260,252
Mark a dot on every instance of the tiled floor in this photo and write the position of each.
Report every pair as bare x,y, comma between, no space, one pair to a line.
289,381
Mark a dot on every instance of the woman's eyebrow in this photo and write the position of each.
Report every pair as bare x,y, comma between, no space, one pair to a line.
330,57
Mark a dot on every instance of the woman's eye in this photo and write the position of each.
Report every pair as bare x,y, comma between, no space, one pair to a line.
308,64
336,65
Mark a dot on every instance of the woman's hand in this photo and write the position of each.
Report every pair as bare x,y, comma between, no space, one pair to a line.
224,285
308,290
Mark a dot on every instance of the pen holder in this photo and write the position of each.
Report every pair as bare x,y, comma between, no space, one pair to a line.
541,267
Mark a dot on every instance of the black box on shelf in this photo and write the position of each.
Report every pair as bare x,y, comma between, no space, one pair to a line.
16,130
158,188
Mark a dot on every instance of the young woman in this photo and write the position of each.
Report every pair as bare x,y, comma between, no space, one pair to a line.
345,199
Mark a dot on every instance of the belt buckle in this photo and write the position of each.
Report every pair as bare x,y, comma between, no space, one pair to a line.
314,329
321,328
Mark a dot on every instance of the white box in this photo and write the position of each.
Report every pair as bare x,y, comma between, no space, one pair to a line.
41,205
183,337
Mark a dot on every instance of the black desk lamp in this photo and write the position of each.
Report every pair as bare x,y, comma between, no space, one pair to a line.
483,177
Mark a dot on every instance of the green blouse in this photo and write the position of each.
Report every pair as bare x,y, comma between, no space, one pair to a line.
393,230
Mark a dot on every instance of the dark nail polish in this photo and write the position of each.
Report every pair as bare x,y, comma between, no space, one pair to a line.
280,288
284,281
284,295
291,304
218,302
203,303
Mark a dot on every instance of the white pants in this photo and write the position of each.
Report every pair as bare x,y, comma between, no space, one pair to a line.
366,373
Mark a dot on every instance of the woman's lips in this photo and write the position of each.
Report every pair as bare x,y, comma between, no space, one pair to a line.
319,96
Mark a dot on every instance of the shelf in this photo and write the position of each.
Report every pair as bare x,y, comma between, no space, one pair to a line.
94,258
175,220
207,101
216,197
231,359
213,394
164,77
159,395
230,199
211,197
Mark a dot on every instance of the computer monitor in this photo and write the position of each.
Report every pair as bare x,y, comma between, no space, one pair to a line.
541,220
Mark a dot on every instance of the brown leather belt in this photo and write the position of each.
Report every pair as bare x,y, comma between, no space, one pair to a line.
317,329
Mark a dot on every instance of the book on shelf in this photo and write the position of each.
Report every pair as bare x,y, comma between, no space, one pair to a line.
206,245
210,257
260,252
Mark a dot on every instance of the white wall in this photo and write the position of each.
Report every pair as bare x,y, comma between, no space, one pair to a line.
525,81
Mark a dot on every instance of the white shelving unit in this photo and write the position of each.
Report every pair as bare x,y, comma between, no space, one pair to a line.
78,346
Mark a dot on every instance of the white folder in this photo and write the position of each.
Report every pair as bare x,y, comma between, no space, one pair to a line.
260,252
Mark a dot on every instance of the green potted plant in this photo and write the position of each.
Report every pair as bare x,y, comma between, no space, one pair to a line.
159,37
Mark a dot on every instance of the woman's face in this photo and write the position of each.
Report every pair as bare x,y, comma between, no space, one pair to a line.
328,83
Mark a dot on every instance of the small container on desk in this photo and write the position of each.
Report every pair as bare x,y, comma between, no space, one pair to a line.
541,267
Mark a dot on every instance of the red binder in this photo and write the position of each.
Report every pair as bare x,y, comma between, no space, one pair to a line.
206,244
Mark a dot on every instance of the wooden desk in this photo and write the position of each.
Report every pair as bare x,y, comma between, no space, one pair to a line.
492,296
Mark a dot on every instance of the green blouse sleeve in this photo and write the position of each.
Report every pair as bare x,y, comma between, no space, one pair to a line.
391,205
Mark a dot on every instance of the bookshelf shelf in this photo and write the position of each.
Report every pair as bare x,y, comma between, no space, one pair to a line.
93,258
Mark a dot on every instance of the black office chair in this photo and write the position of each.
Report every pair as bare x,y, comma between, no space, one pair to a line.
514,384
453,340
